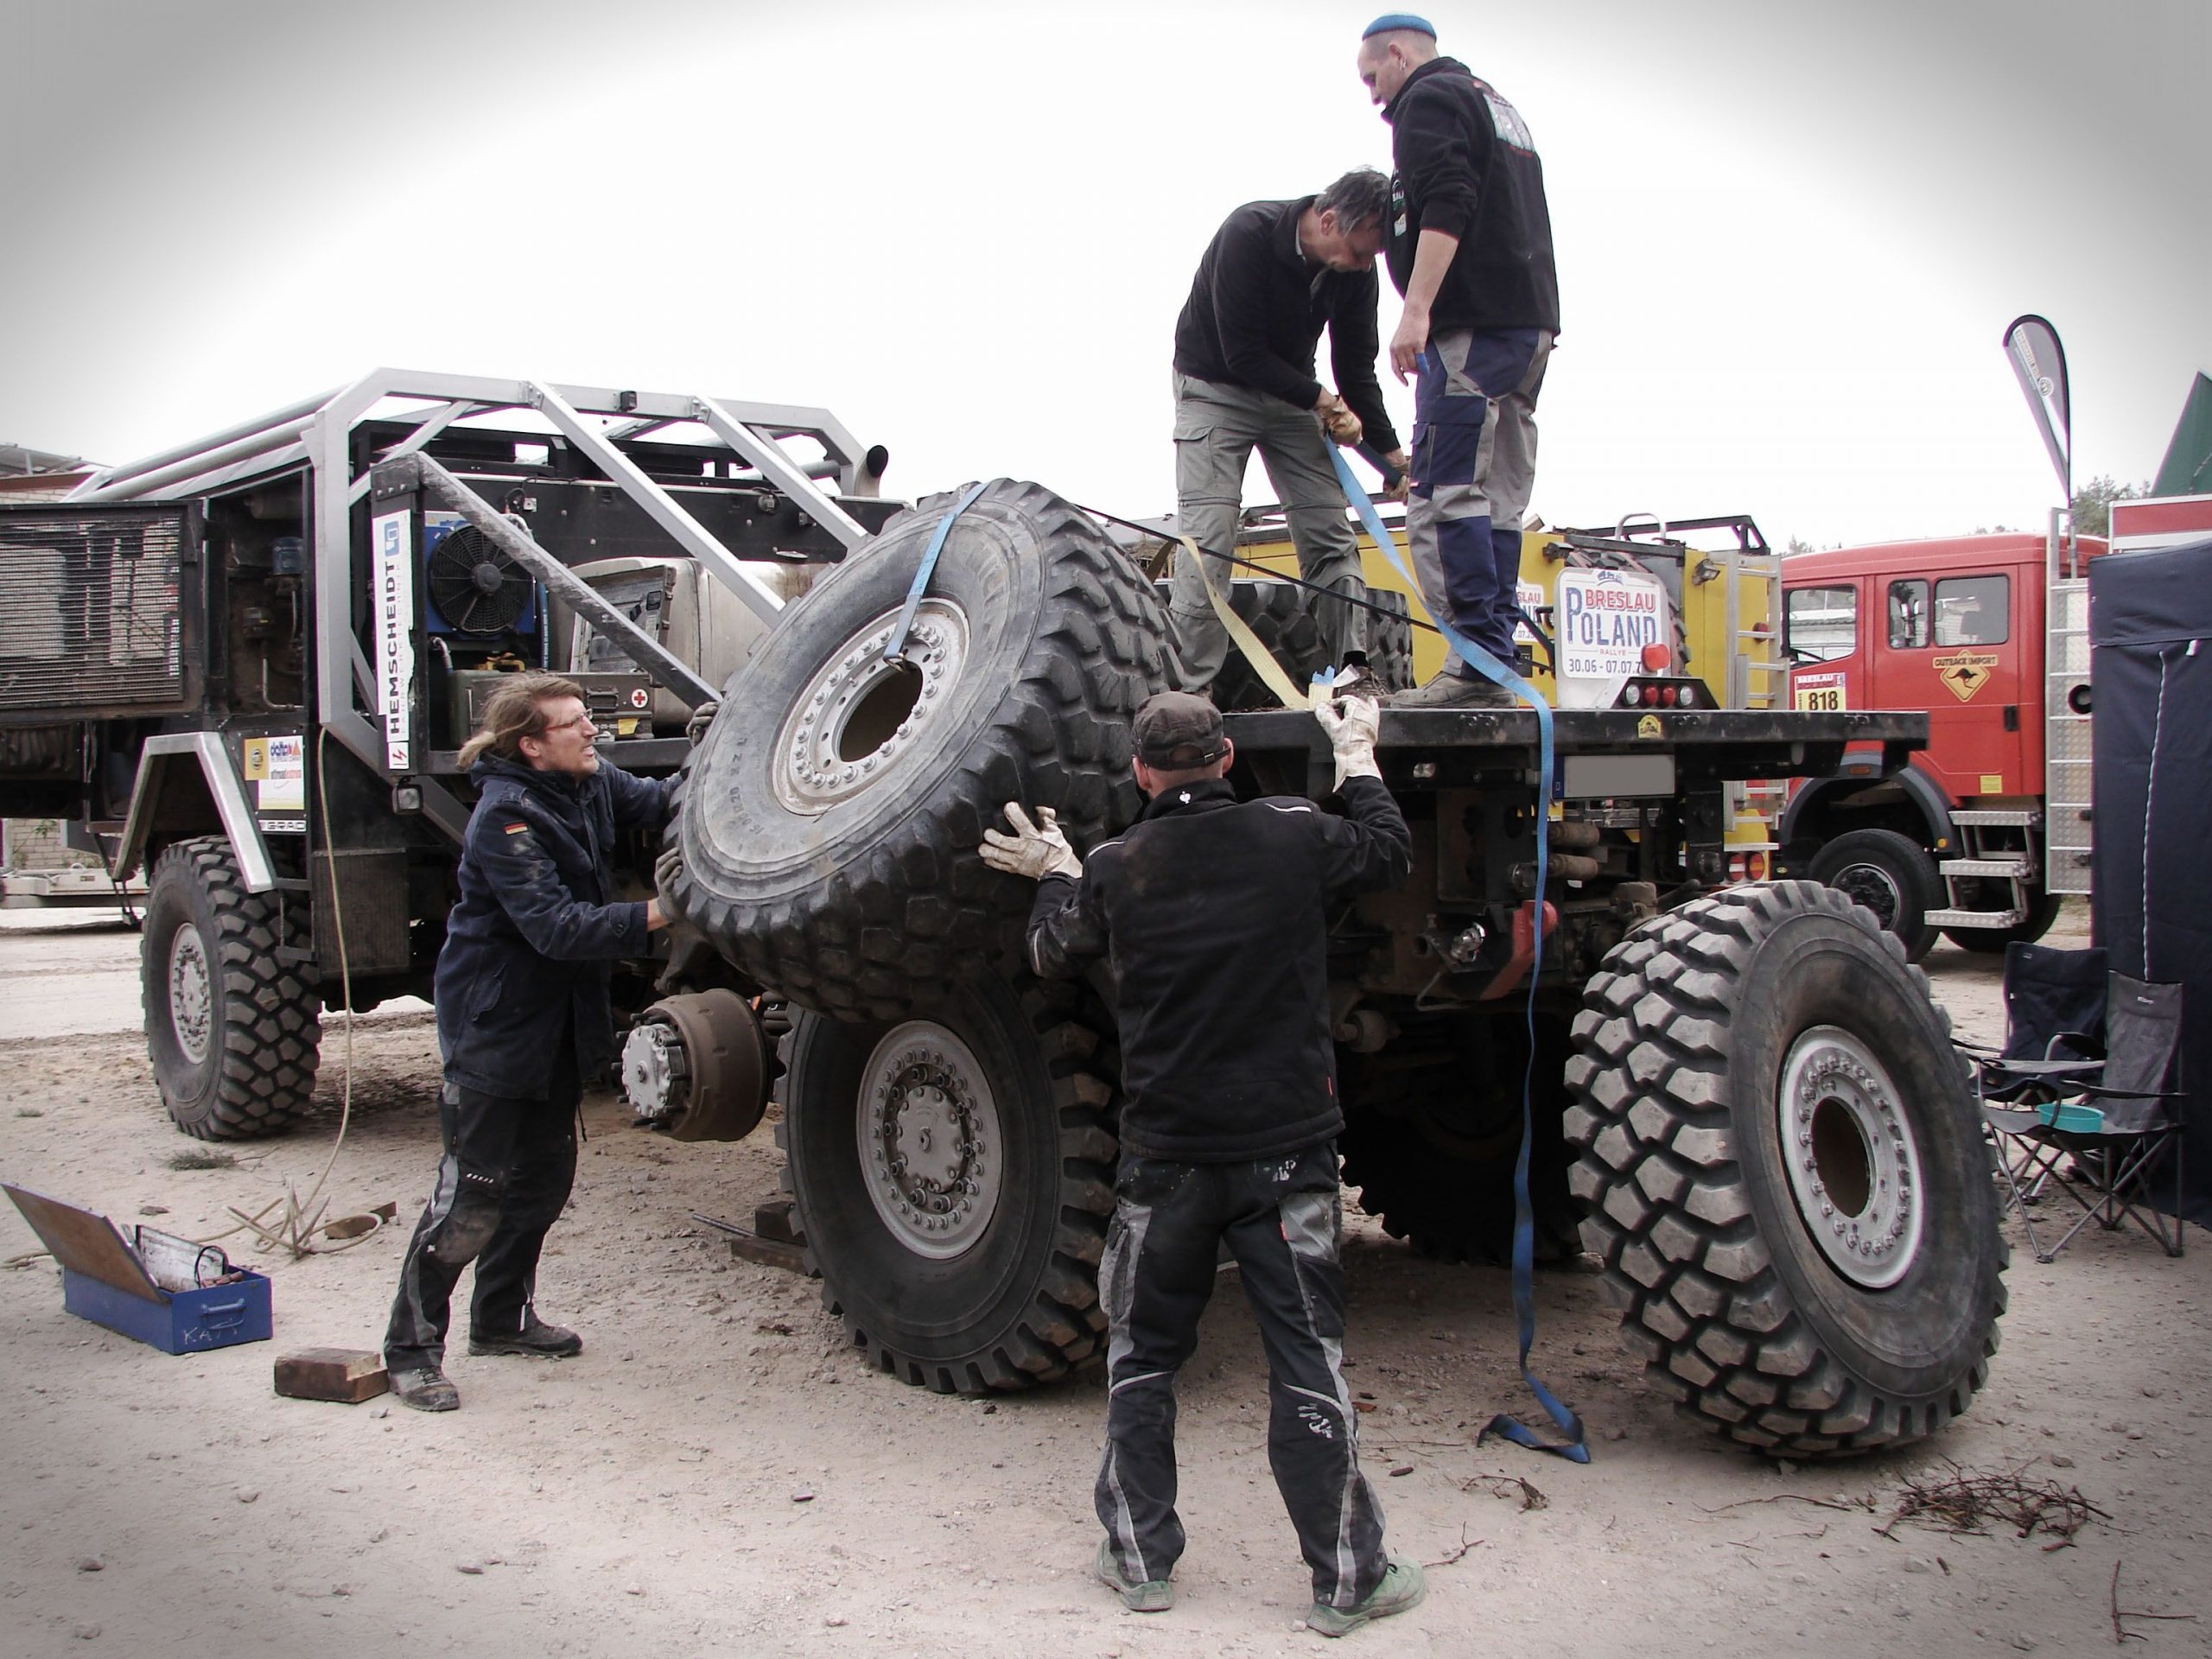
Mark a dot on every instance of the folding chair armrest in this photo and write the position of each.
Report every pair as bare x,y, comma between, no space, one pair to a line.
2051,1068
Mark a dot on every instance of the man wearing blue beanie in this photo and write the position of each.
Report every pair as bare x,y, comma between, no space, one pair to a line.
1471,248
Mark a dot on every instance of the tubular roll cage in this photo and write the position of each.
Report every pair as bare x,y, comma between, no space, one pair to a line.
603,424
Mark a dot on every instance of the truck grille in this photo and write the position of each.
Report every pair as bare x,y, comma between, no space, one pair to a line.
88,608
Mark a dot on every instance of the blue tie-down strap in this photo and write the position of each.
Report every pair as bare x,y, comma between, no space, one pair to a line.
1576,1448
897,644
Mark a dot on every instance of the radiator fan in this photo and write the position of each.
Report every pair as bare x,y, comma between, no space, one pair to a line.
476,587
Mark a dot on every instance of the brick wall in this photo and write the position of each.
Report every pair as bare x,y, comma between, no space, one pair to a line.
34,844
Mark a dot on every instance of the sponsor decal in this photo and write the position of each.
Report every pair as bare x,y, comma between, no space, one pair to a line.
1822,693
1506,122
1649,726
392,591
1605,619
1966,672
1530,595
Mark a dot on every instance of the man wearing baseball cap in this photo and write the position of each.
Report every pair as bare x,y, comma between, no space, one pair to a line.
1213,915
1471,248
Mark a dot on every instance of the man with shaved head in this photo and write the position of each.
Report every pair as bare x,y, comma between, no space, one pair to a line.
1471,250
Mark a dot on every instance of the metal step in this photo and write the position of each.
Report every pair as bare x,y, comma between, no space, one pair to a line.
2018,866
1975,918
2008,818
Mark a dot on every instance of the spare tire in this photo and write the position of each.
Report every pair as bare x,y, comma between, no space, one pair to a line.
1280,615
829,819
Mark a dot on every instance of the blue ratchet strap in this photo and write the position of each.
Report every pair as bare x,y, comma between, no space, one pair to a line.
1577,1449
897,644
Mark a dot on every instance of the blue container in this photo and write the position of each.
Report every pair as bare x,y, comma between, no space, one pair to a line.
183,1322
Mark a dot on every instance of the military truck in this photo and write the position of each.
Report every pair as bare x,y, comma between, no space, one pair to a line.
246,665
1743,1099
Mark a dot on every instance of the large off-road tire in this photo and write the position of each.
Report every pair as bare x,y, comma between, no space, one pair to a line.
829,818
1891,875
1280,615
1390,641
1784,1173
953,1177
233,1033
2042,911
1432,1146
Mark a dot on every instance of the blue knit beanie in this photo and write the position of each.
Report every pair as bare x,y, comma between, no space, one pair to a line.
1390,20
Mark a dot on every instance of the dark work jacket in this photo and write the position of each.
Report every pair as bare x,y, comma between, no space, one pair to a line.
528,946
1256,310
1466,166
1213,915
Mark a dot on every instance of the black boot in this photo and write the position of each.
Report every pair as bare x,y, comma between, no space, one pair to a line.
535,1338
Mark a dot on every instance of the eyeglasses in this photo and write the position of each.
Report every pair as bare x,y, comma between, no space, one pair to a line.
569,725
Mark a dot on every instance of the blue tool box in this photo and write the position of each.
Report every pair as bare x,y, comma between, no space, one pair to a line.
190,1299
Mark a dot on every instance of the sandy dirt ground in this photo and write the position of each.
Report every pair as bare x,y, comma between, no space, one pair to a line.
719,1473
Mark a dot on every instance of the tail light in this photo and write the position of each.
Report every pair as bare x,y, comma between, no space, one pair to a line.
1688,697
1755,868
1631,695
1667,696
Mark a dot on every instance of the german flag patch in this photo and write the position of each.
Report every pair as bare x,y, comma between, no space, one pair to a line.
518,828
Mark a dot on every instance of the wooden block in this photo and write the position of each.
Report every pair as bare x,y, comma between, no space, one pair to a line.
772,1220
768,1252
348,1375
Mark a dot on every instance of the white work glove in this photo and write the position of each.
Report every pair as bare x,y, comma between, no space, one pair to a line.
1351,724
1035,850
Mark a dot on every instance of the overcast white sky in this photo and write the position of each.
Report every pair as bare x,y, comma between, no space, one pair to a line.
1789,235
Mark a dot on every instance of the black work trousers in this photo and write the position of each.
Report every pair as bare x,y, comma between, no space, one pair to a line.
508,1168
1283,1222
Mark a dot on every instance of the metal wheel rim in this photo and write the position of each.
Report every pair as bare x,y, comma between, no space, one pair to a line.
810,773
192,993
931,1153
1874,887
1832,1084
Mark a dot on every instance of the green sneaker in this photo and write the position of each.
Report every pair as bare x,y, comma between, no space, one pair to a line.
1403,1587
1153,1595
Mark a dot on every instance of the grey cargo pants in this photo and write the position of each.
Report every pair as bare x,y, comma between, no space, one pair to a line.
1217,428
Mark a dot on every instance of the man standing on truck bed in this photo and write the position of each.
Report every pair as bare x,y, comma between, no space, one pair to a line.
1471,248
1275,275
523,1016
1213,916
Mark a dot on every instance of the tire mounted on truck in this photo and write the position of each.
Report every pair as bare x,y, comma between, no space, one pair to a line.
946,1118
1784,1173
233,1032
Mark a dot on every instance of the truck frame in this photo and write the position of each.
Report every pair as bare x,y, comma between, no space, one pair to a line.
230,662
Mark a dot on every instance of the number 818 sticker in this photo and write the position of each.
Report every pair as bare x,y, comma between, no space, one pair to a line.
1818,693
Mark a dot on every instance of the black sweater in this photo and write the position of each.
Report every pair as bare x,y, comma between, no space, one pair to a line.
1213,915
1466,166
1256,310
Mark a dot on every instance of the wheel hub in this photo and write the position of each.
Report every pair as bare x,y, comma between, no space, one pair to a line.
1854,1167
192,998
1874,887
861,713
929,1135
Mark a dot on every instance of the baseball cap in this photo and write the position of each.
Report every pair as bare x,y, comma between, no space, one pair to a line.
1390,20
1175,730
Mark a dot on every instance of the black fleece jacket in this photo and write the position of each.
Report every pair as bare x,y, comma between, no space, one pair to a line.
1467,166
1256,310
1213,915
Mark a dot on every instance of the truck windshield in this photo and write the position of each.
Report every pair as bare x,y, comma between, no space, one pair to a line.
1820,624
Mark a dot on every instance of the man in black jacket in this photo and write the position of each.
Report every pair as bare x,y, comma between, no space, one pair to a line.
1274,276
1213,915
1471,248
523,1016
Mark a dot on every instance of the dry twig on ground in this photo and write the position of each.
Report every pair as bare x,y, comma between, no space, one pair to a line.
1965,1504
2120,1634
1508,1486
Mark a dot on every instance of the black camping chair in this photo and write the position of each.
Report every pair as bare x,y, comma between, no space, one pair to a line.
2090,1077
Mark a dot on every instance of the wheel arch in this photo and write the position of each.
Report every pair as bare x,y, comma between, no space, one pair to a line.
1908,801
186,786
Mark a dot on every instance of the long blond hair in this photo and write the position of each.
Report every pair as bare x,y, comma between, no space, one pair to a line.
513,712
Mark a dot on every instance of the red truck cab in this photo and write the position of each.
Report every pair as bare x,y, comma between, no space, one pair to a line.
1988,635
